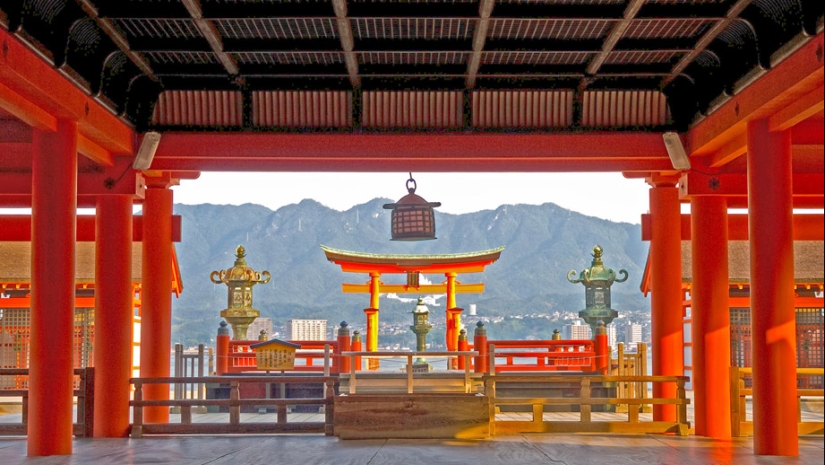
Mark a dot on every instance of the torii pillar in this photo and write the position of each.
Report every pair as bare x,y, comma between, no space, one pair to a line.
770,229
156,307
372,319
113,315
453,318
710,311
54,224
666,295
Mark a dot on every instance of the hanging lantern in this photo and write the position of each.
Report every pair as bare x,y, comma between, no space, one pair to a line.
413,218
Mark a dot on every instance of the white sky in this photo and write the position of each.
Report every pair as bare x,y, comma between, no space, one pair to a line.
604,195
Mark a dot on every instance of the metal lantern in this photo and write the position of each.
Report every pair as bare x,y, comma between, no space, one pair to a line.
597,281
240,279
413,218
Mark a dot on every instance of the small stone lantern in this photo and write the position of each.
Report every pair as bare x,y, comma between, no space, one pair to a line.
597,281
240,279
421,326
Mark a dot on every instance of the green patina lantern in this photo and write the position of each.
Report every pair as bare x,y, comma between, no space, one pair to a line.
240,279
597,281
421,326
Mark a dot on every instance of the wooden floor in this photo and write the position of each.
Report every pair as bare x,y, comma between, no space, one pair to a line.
579,449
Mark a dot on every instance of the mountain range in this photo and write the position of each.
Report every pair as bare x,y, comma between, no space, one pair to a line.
542,243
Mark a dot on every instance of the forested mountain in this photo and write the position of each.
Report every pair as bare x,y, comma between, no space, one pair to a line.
542,244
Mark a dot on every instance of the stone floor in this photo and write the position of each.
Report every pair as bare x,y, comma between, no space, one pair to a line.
523,449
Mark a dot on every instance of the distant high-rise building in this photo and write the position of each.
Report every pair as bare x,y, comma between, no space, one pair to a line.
576,331
256,326
306,330
633,333
473,309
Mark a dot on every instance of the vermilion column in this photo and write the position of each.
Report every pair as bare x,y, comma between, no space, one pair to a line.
452,331
666,295
54,212
710,310
156,314
773,324
113,315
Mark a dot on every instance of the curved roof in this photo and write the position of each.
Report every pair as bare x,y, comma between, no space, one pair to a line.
361,262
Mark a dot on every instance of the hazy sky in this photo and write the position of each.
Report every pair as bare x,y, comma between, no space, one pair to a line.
605,195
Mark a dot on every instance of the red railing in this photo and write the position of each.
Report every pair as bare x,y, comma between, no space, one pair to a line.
309,358
540,356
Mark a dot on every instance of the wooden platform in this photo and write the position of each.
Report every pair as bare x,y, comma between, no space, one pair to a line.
557,449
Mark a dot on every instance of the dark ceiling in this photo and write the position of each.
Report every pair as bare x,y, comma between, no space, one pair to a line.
126,52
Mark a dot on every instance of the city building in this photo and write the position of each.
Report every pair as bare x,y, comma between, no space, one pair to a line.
577,331
259,324
306,330
612,340
633,333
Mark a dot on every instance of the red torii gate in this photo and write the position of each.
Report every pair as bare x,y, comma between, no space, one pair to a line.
412,265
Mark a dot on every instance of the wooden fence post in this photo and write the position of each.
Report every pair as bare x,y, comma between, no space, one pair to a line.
137,410
234,406
585,397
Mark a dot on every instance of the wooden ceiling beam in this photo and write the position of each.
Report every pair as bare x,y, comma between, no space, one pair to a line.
347,41
615,35
485,9
210,33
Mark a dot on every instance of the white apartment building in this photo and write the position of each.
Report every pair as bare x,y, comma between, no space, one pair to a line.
306,330
577,331
611,336
633,333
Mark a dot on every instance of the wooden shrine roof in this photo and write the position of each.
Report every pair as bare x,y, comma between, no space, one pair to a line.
809,263
15,264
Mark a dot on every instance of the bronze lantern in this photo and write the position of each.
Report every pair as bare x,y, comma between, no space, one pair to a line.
413,218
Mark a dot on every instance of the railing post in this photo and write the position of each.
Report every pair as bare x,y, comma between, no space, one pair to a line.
352,367
356,347
87,378
178,371
137,410
584,399
681,411
327,364
492,361
462,347
480,344
234,406
735,413
329,408
222,343
200,371
344,345
409,373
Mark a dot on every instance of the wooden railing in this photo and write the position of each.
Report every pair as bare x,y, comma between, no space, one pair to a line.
467,355
740,426
631,364
233,404
242,359
553,355
83,428
584,403
191,365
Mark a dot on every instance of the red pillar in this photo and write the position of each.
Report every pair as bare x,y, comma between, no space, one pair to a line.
54,211
773,319
156,318
113,315
602,349
481,363
222,349
666,295
710,311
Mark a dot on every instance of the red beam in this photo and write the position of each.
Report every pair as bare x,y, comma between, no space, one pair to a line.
17,228
597,151
805,227
33,90
789,82
804,185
